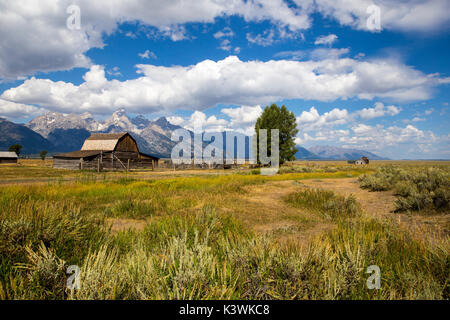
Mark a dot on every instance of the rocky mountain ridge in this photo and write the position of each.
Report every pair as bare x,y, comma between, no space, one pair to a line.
339,153
152,136
57,132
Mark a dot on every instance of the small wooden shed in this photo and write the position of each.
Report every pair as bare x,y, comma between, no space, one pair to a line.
115,151
365,159
8,157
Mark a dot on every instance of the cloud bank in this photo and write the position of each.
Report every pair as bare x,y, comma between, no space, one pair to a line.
228,81
41,41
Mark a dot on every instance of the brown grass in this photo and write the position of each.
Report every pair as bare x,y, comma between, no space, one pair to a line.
205,234
381,205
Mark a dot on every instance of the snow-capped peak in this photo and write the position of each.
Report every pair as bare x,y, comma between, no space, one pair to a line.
50,121
119,121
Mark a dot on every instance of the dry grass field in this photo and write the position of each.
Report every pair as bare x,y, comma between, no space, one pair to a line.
308,232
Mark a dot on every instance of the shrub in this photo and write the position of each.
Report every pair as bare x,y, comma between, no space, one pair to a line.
382,179
297,169
45,273
417,189
327,203
405,189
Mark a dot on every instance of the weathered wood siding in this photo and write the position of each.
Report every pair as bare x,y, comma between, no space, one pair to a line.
104,162
8,160
72,164
127,144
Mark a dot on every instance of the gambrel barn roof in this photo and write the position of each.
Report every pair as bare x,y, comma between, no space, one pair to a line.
103,141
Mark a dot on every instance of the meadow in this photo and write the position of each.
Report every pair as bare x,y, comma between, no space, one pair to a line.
224,234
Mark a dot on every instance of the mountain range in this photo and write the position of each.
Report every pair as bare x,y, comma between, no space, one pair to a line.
338,153
57,132
12,133
68,132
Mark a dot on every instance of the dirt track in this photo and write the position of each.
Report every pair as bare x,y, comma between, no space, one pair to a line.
264,210
381,204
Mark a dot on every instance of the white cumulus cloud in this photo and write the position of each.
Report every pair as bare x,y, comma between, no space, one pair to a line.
408,15
228,81
13,110
147,54
326,40
379,110
41,41
35,36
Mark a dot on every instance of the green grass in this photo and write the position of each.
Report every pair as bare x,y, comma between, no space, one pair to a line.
293,168
205,256
326,203
14,172
189,250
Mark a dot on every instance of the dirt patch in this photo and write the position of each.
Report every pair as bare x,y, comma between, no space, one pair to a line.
375,203
119,224
264,210
381,205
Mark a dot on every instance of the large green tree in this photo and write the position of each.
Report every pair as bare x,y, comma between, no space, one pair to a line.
275,117
15,148
43,154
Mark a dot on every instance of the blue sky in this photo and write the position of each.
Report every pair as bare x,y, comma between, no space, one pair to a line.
382,88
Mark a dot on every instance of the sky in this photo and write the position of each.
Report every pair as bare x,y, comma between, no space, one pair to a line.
371,75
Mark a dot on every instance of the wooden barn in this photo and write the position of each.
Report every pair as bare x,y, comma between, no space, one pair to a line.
113,151
8,157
